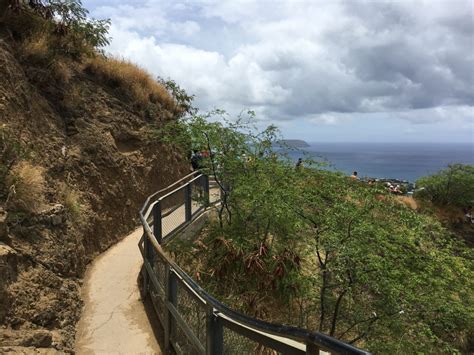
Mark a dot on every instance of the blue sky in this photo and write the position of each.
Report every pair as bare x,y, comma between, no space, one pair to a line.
398,71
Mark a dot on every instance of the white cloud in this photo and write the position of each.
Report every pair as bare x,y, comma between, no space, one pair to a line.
318,61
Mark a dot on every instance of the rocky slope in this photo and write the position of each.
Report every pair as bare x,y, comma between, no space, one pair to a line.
99,163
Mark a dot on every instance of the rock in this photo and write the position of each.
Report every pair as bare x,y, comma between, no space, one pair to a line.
53,214
3,225
38,339
8,273
21,350
44,317
26,338
56,220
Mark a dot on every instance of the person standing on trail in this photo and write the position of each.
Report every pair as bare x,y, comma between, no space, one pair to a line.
354,176
196,158
299,164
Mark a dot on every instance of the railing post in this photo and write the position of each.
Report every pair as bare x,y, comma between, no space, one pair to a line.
157,229
205,179
312,348
171,293
214,333
187,202
145,276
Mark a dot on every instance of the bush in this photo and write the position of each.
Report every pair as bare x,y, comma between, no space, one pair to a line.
64,25
27,186
452,186
131,81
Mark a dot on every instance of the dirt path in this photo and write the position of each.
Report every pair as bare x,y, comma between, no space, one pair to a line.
114,319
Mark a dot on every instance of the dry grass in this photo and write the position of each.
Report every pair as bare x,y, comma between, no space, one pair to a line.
27,187
72,201
72,97
132,81
36,49
62,71
408,201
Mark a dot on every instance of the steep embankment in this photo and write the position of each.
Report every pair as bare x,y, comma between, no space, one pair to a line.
90,143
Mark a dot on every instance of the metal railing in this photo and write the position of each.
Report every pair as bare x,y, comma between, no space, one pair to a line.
194,322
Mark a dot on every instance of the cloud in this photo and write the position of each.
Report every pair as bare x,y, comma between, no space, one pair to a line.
317,61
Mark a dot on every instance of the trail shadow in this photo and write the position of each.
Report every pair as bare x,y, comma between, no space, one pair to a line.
158,330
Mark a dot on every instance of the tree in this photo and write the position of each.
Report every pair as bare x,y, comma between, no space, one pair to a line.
453,186
385,276
64,18
184,101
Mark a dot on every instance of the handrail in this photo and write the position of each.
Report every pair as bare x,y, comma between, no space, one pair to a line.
219,313
162,190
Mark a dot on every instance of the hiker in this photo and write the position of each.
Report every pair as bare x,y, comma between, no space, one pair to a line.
299,164
468,214
196,158
354,176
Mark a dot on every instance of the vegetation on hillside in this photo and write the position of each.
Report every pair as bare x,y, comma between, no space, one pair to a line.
132,81
64,23
453,186
318,250
57,40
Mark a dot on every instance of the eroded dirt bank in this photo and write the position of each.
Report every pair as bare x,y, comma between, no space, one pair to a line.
93,146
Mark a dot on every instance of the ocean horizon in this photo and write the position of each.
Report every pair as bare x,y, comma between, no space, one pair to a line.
404,161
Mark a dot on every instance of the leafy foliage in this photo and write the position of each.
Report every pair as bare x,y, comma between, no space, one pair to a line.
64,22
453,186
72,16
184,101
318,250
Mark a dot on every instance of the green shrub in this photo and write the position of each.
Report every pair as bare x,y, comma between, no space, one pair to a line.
453,186
65,25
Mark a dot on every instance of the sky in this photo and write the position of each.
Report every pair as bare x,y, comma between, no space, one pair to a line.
329,71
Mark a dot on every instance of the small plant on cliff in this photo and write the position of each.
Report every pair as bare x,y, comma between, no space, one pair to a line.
184,101
71,200
26,184
11,152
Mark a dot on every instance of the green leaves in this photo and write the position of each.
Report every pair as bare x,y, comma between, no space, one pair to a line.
313,248
452,186
70,18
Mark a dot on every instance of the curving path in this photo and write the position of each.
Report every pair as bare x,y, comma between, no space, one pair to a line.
114,320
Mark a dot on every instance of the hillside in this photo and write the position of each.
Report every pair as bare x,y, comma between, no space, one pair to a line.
77,162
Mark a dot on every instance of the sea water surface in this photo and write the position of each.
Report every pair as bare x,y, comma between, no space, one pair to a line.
404,161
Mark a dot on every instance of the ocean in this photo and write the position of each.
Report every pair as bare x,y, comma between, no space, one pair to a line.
404,161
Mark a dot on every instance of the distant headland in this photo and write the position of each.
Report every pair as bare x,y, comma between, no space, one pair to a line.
295,143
